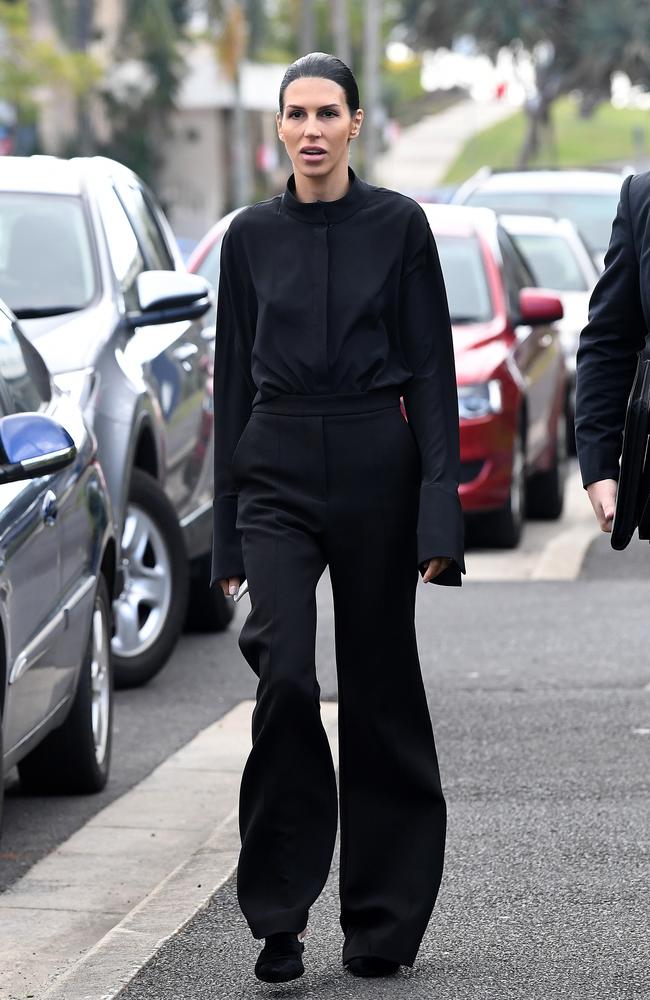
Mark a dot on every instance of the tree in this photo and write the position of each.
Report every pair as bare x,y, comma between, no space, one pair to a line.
575,44
141,90
28,64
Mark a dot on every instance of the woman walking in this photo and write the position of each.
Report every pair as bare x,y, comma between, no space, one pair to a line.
331,306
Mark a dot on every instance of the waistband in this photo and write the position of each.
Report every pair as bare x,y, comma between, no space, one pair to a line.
319,403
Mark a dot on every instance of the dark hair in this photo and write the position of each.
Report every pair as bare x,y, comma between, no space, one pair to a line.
324,65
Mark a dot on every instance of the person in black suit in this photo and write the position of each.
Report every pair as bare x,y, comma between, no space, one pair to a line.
609,344
331,308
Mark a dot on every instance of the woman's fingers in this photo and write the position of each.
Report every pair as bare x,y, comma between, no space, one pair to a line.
230,586
603,499
435,567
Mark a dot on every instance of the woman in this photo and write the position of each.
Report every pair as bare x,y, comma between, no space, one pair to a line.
331,305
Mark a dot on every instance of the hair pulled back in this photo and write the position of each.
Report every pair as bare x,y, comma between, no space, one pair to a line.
322,64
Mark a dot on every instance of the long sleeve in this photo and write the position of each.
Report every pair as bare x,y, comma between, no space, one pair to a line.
606,359
431,400
234,390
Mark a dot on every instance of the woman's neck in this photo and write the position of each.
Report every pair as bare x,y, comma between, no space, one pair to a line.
331,187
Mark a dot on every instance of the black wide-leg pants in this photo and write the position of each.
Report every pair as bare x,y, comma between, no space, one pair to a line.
334,480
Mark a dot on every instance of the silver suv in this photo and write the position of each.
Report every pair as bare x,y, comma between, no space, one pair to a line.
90,266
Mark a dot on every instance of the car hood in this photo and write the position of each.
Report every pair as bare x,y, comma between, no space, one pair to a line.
479,349
73,340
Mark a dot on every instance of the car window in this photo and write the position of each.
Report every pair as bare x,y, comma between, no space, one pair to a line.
24,393
46,255
466,282
515,276
123,248
210,266
552,261
591,213
153,243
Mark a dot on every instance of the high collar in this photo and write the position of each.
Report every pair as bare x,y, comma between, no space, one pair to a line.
325,211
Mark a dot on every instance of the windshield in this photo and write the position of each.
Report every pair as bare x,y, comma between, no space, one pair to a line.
46,261
465,279
592,214
552,261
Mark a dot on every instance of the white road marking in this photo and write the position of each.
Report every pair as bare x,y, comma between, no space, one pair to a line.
85,919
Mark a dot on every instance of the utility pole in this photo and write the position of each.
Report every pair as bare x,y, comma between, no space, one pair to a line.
371,66
341,30
307,32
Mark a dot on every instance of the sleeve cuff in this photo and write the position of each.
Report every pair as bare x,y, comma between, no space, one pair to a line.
227,559
440,531
596,465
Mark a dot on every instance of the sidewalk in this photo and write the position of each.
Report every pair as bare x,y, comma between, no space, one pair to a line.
542,721
420,158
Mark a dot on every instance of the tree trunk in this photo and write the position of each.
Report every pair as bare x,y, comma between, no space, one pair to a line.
539,121
307,27
341,30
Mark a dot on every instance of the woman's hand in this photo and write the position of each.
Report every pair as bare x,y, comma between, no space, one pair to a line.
602,494
435,567
230,586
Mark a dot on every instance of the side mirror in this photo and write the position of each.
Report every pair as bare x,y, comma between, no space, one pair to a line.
170,296
537,306
32,445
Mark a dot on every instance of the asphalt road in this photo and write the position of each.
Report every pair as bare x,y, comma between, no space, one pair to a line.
204,679
539,693
540,702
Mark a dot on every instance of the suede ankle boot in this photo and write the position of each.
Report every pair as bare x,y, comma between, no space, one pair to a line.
281,958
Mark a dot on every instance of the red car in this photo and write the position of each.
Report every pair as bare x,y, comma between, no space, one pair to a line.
512,380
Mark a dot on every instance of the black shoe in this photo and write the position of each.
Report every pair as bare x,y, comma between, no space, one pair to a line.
372,966
280,959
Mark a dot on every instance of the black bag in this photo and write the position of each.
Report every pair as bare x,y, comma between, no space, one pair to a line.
633,496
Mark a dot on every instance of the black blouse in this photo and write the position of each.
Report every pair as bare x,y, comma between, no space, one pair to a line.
337,297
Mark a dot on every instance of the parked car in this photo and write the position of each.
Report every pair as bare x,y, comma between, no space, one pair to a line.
57,578
511,374
559,260
588,197
512,380
89,264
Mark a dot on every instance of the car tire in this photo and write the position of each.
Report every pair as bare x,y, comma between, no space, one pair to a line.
545,491
503,528
150,611
209,610
2,782
75,758
571,449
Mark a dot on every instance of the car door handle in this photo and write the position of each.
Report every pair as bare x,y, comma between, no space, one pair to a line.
49,507
209,333
185,351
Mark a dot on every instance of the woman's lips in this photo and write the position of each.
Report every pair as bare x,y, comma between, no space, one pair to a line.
312,156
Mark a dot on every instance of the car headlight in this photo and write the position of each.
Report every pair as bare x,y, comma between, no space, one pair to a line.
479,400
78,385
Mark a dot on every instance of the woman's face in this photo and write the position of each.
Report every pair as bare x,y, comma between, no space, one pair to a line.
316,115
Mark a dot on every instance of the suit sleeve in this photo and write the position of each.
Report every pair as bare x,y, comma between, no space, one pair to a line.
607,353
234,390
431,400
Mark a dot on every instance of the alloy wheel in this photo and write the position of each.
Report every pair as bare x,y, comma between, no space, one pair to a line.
142,608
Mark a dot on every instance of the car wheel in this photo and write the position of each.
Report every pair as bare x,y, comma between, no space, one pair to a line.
150,611
2,781
503,528
208,610
545,491
75,757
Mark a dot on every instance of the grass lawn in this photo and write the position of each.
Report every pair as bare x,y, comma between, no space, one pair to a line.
609,136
